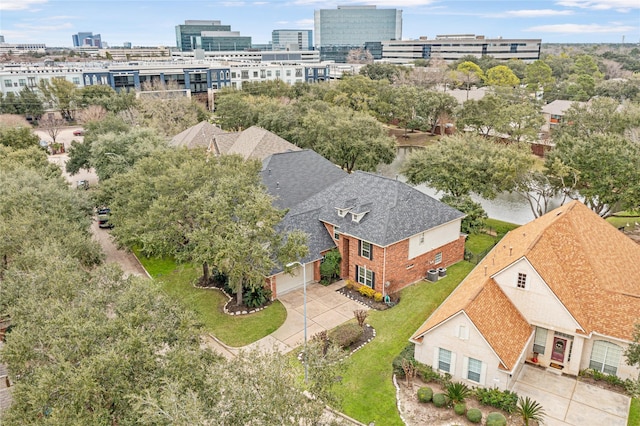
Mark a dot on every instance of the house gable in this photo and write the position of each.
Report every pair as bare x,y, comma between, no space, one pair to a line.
533,298
433,238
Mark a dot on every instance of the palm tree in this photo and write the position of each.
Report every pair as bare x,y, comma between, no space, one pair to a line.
529,409
457,392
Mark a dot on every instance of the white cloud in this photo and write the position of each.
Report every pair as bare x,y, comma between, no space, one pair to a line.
56,27
581,28
231,3
535,13
19,4
619,5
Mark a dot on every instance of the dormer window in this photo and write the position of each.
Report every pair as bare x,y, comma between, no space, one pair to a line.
343,212
357,217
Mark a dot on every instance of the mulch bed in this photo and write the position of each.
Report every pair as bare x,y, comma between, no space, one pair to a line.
231,307
367,301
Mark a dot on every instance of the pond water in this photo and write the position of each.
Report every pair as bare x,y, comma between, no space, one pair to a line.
509,207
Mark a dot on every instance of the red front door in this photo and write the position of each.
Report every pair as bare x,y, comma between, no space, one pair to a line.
559,346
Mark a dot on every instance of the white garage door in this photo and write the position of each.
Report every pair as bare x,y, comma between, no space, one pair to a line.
288,282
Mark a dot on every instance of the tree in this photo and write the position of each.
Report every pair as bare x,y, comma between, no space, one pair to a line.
359,56
469,73
387,72
170,116
18,137
600,116
181,203
502,76
31,103
607,169
483,115
61,94
463,164
52,125
529,410
91,113
632,353
475,215
10,104
538,75
433,106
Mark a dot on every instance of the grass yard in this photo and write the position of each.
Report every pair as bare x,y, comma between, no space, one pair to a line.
623,218
176,281
368,394
499,226
634,413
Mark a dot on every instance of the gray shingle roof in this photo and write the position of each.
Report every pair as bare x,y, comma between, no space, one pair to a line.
292,177
198,136
394,210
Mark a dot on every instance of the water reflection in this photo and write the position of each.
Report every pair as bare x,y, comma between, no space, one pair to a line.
509,207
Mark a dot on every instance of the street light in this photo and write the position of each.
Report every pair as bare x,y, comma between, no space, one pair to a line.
304,286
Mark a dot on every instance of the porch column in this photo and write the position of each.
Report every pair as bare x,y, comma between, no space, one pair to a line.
576,355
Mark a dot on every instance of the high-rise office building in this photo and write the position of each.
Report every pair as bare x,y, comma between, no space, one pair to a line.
292,39
87,39
348,27
209,36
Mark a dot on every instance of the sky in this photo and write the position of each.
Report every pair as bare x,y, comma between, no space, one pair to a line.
152,22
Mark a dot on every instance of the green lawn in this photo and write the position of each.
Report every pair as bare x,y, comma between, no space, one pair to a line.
620,221
368,393
176,281
634,413
478,243
500,226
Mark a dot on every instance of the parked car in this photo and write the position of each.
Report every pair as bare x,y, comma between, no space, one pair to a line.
103,218
79,132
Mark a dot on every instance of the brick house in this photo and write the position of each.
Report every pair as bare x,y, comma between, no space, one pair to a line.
388,233
561,291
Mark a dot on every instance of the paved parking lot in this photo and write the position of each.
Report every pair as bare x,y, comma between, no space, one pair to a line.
569,402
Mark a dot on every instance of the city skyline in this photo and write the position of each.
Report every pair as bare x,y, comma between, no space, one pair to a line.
152,23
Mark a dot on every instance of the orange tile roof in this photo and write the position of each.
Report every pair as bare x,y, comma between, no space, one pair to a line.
591,267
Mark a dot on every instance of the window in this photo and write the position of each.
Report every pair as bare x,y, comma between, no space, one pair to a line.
8,83
263,73
277,73
298,72
23,82
366,250
269,73
444,360
474,370
522,280
540,341
245,74
255,74
605,357
365,276
336,234
76,80
438,258
233,75
422,238
228,75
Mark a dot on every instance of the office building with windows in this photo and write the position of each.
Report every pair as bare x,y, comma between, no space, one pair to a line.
292,39
209,36
87,39
336,31
453,47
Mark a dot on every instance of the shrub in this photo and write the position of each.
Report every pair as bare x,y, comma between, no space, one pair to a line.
346,334
474,415
360,315
366,291
460,408
425,394
528,410
502,400
428,374
496,419
330,267
256,297
439,400
351,285
377,297
457,392
407,353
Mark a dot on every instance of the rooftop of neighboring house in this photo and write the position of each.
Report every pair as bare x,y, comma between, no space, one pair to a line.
559,106
591,267
198,136
254,142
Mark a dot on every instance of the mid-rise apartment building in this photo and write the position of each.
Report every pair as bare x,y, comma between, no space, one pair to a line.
209,36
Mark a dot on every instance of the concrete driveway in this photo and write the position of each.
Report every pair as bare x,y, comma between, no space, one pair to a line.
326,309
567,401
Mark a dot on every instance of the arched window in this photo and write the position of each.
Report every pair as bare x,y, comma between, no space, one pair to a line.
605,357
